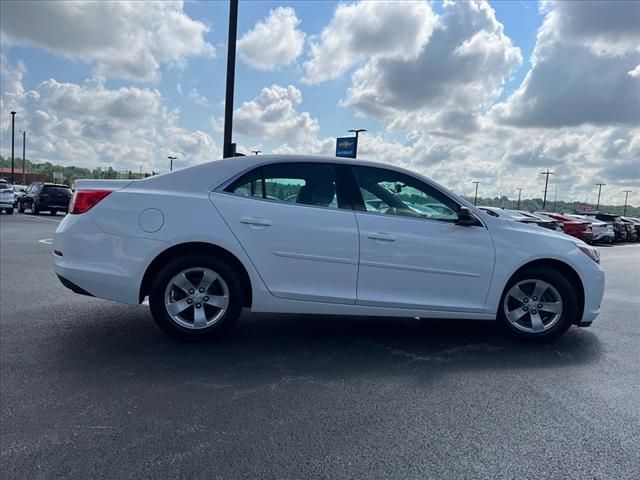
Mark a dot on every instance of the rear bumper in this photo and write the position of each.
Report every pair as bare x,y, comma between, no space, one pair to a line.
99,264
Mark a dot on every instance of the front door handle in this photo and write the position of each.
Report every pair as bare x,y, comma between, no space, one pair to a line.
385,237
258,222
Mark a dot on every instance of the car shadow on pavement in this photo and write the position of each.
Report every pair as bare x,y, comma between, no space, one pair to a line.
264,347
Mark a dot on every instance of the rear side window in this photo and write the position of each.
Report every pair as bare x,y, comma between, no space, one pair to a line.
51,190
299,183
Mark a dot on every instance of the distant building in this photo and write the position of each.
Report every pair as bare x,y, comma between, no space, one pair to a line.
5,172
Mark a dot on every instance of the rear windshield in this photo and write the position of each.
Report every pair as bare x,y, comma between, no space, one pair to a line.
56,190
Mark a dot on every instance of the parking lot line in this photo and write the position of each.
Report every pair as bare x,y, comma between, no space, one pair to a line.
42,218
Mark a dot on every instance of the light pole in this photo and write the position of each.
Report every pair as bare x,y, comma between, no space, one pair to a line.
171,159
626,197
24,171
546,184
475,199
13,123
229,148
256,152
599,192
357,132
519,194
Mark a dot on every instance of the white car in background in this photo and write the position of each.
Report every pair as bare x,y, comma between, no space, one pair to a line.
7,198
602,231
206,241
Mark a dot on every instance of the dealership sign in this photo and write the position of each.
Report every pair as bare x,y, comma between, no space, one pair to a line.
346,147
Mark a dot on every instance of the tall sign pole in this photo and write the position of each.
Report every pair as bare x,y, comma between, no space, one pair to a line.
519,195
626,197
229,148
546,185
24,143
475,199
13,124
599,192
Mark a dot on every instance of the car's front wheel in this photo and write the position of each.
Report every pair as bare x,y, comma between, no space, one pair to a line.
196,297
538,304
20,207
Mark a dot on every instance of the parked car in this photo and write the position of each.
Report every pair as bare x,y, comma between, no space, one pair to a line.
6,197
41,196
603,232
619,228
18,193
543,220
508,214
203,242
576,228
633,229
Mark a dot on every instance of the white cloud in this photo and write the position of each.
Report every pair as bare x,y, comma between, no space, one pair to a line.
457,74
274,42
197,98
273,115
583,71
124,39
368,29
90,125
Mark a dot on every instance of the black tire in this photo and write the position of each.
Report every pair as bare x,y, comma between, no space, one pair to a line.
53,212
9,211
20,207
568,296
35,210
222,325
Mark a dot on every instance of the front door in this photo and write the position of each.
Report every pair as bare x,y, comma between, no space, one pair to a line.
289,220
413,254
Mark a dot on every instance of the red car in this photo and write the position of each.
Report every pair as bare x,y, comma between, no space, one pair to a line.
575,228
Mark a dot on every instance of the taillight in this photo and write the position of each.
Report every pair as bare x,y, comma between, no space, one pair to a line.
84,200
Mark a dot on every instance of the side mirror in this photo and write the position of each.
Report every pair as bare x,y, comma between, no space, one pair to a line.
466,218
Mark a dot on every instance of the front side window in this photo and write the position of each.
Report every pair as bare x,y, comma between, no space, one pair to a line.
301,183
394,193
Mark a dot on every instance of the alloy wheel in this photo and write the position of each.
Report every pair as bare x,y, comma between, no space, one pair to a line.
533,306
196,298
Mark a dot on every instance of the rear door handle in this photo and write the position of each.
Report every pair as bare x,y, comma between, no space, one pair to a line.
385,237
258,222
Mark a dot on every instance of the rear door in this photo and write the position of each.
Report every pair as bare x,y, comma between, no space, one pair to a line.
297,229
413,254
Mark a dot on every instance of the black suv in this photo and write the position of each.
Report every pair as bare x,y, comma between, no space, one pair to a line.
45,196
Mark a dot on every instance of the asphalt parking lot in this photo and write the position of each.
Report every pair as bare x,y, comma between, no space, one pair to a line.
93,389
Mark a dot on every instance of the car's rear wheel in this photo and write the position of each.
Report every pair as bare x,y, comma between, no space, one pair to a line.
196,297
35,210
9,211
538,304
20,207
52,212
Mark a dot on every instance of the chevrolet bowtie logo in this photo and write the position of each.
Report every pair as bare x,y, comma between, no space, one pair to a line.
344,144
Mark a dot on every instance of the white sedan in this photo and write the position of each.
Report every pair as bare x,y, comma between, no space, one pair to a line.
206,241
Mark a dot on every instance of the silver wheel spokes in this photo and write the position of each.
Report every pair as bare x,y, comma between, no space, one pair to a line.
196,298
533,306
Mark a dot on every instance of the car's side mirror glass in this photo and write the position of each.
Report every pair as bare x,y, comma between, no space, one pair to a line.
465,217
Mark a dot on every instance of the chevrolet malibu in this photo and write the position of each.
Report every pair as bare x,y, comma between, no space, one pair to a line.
309,235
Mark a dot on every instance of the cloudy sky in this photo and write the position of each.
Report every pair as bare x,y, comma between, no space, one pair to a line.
459,91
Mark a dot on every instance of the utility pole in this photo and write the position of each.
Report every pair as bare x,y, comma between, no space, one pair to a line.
519,195
171,159
229,148
626,197
546,184
256,152
24,170
475,199
357,131
599,192
13,123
